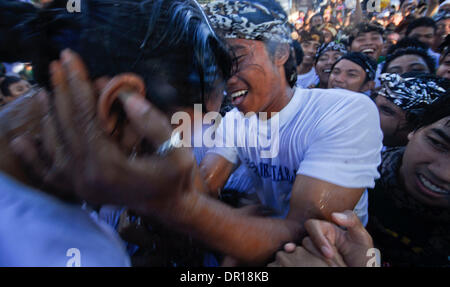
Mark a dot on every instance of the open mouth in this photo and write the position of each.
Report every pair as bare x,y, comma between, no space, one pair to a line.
432,186
326,71
368,51
238,97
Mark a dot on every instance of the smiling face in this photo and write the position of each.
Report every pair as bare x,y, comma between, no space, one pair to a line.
347,75
425,168
443,29
258,81
444,68
393,122
324,65
424,35
407,63
309,50
370,43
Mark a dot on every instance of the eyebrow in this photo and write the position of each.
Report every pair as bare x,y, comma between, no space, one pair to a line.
442,134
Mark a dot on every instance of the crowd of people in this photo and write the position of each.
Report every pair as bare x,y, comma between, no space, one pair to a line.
330,131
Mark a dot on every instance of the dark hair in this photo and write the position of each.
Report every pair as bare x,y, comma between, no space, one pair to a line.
433,112
313,35
290,67
161,40
407,43
367,63
405,23
298,52
410,51
421,22
6,83
364,28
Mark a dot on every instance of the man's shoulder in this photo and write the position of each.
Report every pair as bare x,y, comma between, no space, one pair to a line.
337,100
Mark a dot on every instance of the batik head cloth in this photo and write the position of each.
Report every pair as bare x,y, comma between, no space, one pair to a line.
332,46
249,20
410,93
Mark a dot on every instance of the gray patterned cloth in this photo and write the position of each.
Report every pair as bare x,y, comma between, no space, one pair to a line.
248,20
409,93
332,46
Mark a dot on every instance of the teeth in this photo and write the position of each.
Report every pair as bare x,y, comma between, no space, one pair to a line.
367,51
327,71
431,186
238,94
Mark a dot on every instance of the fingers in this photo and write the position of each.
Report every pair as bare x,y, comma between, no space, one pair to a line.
335,261
346,219
355,228
25,148
74,101
289,247
322,235
147,120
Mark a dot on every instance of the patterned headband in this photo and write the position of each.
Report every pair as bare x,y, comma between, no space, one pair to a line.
332,46
409,93
365,62
248,20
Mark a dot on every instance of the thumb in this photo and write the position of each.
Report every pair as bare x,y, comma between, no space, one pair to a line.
147,120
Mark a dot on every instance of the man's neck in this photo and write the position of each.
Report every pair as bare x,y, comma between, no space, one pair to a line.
280,102
304,68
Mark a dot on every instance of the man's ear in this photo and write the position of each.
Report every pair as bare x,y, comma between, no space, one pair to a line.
120,84
282,54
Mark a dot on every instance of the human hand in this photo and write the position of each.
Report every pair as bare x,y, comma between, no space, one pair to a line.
299,256
328,238
100,172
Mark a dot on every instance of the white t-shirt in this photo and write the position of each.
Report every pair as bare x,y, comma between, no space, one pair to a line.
306,80
332,135
37,229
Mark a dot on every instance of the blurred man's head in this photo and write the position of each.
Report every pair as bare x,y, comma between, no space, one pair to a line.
403,95
354,72
442,20
12,88
444,60
316,21
310,42
367,38
406,60
326,56
422,29
166,52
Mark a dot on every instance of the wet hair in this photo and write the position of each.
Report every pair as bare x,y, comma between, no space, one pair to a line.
365,28
421,22
290,67
6,83
410,51
163,41
433,112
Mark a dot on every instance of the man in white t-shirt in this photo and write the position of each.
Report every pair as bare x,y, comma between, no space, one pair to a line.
310,42
326,148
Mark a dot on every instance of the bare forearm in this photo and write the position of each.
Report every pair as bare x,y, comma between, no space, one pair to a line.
249,239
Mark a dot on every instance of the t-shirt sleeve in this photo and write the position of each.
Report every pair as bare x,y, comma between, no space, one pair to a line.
225,137
345,145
